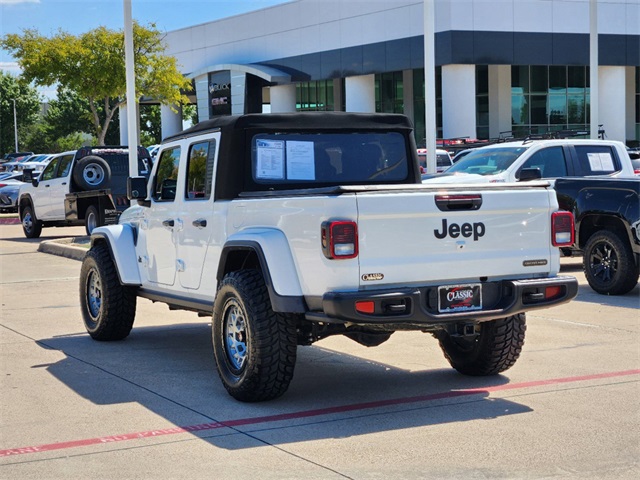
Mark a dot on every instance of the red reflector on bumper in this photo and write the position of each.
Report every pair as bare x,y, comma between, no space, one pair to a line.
365,306
552,292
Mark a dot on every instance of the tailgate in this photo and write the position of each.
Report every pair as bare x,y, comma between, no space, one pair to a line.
405,238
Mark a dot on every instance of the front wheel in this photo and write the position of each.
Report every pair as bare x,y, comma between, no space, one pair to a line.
31,227
254,347
108,307
494,349
609,265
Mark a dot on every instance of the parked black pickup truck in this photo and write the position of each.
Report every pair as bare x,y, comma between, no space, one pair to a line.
607,232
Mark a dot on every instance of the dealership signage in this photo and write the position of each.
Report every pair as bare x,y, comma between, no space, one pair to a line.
219,94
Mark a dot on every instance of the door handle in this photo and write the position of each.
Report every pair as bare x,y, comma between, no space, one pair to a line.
47,186
168,223
199,223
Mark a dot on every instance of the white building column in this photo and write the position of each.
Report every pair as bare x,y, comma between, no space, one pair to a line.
458,101
612,102
360,93
238,89
202,96
499,99
283,98
170,121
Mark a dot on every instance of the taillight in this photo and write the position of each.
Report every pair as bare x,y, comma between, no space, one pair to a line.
339,239
562,229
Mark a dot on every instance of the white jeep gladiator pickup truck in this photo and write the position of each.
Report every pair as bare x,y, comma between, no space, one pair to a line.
289,228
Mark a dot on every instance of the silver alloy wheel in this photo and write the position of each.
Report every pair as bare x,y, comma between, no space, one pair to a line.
27,222
94,293
235,335
92,222
93,174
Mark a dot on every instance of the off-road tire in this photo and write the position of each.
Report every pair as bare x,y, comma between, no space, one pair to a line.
31,226
91,219
609,265
92,173
264,342
108,308
494,350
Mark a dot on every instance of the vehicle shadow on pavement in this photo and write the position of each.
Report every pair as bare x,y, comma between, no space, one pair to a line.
170,371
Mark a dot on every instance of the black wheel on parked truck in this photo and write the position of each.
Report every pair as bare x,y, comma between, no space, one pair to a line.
91,219
31,227
108,308
609,265
494,350
92,173
254,347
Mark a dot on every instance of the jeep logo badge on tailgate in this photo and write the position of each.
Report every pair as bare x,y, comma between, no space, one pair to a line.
467,230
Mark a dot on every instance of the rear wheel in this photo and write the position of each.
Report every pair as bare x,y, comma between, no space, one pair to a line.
30,225
609,265
108,307
91,219
494,350
254,347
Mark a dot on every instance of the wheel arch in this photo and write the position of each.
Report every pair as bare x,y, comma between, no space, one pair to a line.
23,202
120,240
592,224
266,250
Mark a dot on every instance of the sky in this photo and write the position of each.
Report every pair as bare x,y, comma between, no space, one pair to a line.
79,16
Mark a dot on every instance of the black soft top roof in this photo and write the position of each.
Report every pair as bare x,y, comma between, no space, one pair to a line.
300,121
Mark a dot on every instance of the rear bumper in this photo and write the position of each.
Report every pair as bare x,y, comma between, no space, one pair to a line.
419,306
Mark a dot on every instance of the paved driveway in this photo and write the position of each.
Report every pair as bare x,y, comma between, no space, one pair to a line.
152,406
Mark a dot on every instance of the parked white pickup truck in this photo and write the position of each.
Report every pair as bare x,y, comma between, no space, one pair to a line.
83,187
535,159
290,228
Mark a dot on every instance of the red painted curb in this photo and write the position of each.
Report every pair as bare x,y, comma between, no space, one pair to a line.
310,413
9,221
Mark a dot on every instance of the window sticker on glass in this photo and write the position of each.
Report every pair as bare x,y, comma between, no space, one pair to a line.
300,161
600,162
270,159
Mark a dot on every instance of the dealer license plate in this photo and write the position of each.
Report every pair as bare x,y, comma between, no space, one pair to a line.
460,298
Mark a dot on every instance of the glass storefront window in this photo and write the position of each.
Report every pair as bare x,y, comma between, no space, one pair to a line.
558,98
314,96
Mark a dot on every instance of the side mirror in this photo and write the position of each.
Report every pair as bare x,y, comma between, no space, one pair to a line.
27,175
137,188
527,174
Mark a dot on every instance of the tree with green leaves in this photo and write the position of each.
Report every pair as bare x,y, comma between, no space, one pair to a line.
27,108
92,65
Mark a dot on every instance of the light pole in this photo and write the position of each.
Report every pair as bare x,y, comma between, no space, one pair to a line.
15,123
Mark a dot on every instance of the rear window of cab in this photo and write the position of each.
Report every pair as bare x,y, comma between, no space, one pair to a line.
307,159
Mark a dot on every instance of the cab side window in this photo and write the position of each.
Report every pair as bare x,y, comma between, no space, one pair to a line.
200,170
166,181
597,159
65,166
50,170
550,161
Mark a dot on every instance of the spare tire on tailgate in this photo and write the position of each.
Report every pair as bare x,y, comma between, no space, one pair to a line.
92,173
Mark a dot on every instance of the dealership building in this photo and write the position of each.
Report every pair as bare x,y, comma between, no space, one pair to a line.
519,66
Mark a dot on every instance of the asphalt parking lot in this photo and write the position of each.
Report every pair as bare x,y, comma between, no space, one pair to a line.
152,406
